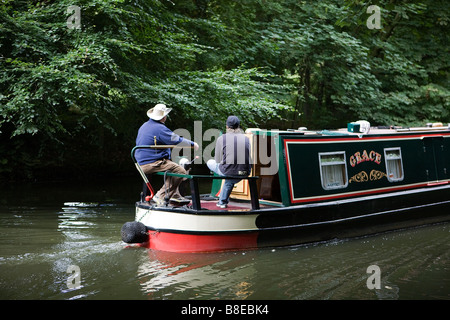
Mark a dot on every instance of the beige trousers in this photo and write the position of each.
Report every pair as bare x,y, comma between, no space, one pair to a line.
172,183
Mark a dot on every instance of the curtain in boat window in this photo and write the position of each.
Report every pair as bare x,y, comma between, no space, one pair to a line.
333,170
394,167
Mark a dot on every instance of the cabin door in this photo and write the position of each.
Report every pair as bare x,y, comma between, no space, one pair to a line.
433,148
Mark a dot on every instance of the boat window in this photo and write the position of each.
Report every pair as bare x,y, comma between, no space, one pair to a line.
333,170
394,166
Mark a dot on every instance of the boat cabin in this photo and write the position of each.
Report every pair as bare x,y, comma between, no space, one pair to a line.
301,166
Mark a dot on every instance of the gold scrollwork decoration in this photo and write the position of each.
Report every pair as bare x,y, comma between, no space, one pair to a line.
376,175
363,177
359,177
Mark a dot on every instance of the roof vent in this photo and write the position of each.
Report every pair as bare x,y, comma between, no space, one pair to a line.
360,126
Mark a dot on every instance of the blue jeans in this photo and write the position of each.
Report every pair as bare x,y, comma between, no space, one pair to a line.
228,184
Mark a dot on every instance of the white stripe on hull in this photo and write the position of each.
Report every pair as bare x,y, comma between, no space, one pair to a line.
166,220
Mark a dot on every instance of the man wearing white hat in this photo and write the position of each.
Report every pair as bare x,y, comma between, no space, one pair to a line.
152,132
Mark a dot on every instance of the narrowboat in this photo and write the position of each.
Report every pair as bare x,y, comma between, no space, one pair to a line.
308,186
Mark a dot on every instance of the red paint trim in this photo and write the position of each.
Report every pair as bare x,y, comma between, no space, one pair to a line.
437,183
176,242
288,168
362,193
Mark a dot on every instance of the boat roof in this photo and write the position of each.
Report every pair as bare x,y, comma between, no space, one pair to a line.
377,130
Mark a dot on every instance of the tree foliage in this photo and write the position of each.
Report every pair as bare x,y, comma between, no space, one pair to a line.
74,98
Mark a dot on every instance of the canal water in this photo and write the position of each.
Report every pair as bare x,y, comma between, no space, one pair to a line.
61,241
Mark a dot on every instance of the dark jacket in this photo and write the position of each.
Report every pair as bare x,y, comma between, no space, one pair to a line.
233,154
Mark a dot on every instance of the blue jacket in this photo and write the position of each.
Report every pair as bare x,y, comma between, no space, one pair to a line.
146,136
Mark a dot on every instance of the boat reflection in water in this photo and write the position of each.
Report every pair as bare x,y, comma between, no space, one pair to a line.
210,276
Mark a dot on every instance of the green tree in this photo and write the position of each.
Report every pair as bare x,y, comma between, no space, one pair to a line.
75,97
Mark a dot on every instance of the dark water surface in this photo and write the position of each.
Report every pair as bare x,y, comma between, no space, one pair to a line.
46,229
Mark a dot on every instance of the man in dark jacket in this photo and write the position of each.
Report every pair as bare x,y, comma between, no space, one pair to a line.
232,158
152,132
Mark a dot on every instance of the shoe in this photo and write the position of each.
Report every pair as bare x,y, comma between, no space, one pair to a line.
221,205
179,198
158,201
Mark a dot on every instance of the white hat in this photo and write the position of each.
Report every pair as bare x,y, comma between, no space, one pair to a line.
158,112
